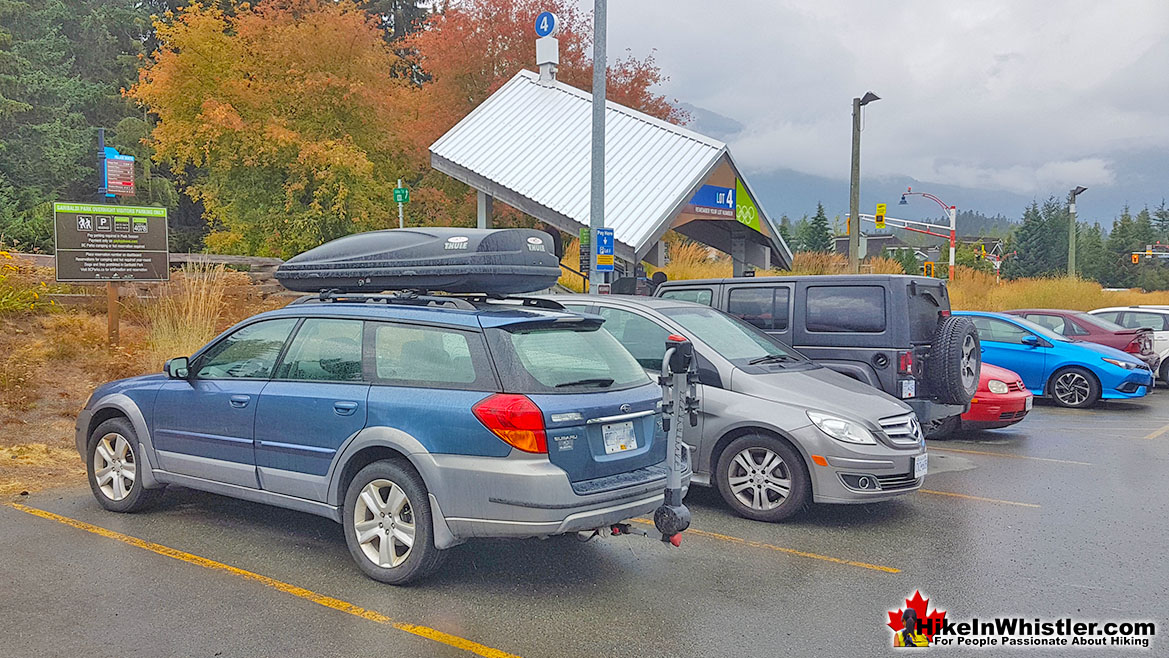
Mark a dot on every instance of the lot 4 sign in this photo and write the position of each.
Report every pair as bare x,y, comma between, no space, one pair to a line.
98,242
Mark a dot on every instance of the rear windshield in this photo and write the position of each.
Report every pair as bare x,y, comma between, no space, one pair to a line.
1097,321
561,360
735,340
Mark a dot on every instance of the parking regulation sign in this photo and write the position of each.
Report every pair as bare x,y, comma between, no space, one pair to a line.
99,242
604,252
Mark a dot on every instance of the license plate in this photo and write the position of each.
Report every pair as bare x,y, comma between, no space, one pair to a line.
920,465
619,437
1027,404
908,388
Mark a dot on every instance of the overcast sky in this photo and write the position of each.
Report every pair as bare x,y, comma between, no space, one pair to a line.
1027,97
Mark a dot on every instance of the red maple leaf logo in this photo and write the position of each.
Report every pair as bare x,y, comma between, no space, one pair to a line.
929,623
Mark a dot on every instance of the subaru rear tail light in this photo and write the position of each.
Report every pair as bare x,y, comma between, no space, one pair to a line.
1134,346
515,419
905,363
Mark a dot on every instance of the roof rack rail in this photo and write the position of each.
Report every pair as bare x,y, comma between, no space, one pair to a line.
410,297
536,302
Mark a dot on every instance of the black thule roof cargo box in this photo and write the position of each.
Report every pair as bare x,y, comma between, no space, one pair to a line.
454,260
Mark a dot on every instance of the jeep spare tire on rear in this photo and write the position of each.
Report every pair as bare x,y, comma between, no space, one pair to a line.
955,360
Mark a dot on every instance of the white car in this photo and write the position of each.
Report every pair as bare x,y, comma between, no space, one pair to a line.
1152,317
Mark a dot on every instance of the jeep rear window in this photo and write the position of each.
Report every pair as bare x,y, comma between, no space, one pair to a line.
563,360
924,308
846,309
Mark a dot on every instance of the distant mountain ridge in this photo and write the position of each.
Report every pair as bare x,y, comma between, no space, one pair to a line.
1141,179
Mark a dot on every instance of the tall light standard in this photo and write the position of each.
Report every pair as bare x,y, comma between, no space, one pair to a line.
854,200
1072,228
951,214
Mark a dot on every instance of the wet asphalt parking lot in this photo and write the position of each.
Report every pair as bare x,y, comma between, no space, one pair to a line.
1063,515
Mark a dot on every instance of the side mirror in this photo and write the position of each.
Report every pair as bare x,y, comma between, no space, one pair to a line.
177,368
1031,340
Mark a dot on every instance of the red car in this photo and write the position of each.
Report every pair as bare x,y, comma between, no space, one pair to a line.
1001,400
1095,329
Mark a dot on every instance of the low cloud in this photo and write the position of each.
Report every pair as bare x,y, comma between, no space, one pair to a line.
994,94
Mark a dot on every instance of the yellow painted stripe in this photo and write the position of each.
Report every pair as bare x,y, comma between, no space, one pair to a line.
781,549
308,595
1157,432
978,498
1003,454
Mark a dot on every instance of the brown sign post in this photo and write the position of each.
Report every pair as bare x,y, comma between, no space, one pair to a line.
99,242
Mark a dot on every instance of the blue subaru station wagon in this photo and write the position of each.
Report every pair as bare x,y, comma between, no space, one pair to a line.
416,422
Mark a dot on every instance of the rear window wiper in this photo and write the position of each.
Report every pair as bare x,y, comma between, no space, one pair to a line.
603,382
772,358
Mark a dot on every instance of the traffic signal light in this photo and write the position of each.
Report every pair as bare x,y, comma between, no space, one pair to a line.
928,268
1136,258
879,217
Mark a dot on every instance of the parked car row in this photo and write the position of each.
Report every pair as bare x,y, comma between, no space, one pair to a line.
418,421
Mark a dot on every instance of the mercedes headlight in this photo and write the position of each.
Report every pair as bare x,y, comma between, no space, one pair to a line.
841,429
997,386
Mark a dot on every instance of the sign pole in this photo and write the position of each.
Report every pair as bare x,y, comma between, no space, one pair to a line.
597,184
113,311
401,221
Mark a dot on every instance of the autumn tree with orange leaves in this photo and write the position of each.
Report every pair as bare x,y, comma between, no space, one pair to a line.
284,117
292,120
475,46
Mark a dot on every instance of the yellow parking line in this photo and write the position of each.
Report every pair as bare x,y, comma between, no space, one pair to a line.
979,498
308,595
1157,432
781,549
1003,454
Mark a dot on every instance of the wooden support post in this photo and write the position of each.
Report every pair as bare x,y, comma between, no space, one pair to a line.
113,311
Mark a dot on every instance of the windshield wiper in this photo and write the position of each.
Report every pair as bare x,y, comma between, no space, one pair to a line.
603,382
772,358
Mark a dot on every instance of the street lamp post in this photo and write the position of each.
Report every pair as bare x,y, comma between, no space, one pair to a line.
951,214
1072,228
854,201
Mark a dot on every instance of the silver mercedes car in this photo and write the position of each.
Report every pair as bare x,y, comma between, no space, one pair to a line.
776,431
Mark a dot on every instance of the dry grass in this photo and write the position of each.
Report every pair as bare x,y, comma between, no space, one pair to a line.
972,290
569,279
878,265
969,289
51,362
691,260
199,301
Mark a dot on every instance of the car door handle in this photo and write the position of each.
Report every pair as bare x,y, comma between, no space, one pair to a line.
344,408
240,401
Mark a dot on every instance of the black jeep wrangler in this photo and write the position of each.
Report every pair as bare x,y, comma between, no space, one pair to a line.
894,332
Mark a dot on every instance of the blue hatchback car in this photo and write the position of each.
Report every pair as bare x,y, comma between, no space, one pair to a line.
415,423
1071,373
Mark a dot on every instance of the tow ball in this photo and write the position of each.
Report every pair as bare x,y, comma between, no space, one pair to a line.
679,404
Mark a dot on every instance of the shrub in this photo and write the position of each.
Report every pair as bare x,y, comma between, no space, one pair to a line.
24,288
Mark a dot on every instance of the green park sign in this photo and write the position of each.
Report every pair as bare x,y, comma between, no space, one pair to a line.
99,242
